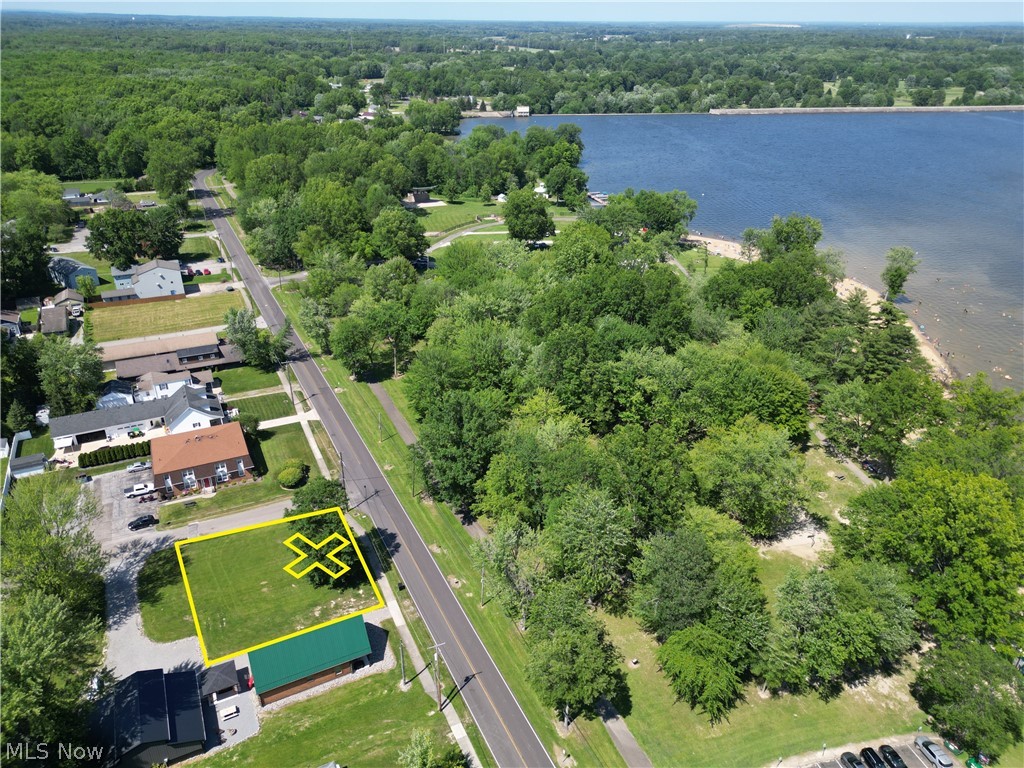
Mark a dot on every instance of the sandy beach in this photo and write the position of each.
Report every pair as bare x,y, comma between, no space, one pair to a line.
941,370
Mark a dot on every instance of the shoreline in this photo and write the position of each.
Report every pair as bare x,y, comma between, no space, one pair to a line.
730,111
941,370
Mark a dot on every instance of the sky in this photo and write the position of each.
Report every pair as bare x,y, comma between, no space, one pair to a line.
735,11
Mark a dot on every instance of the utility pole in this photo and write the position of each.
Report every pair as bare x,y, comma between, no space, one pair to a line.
437,673
481,586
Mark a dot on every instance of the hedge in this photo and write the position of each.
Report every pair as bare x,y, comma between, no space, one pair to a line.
112,453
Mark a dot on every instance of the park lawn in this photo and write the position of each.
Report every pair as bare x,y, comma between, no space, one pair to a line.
693,262
166,616
772,568
198,249
452,546
30,316
828,496
244,597
761,728
40,442
124,322
444,218
363,722
266,407
276,446
245,378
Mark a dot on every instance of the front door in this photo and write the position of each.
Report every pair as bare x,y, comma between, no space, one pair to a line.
207,483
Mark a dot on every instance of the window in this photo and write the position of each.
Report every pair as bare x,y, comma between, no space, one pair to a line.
241,468
168,484
161,387
222,472
196,424
188,477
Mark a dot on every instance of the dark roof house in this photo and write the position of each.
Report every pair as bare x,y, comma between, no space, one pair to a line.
157,718
53,320
26,466
66,271
10,321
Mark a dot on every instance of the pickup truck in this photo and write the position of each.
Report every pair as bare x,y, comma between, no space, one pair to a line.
139,489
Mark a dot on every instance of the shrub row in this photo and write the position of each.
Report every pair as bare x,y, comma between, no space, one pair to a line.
112,453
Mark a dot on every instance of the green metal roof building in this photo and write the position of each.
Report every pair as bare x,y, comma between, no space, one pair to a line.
291,666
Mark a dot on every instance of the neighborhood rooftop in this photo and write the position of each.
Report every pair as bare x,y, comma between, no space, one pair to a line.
202,446
168,408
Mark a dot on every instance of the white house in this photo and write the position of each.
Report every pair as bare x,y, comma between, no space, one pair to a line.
159,277
156,385
521,111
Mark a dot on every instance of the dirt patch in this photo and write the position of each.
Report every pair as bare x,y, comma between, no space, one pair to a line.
805,541
455,582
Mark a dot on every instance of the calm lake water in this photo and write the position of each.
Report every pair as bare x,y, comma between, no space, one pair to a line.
949,185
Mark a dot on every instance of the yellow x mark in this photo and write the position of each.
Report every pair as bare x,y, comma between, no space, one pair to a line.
303,555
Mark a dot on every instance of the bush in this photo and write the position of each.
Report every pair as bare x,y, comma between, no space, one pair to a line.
113,453
293,473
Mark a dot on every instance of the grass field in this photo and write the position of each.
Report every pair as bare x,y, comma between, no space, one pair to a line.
40,442
112,323
89,186
827,494
588,742
245,378
163,604
198,249
693,262
243,595
761,728
323,441
266,407
444,218
365,722
276,446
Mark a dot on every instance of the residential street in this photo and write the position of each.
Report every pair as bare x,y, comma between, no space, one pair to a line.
504,726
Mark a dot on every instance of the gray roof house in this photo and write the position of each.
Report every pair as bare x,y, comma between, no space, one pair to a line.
53,320
160,277
189,359
66,271
157,718
67,297
10,323
70,193
183,411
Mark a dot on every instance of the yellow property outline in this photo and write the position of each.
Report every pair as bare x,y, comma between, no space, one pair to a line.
282,521
343,568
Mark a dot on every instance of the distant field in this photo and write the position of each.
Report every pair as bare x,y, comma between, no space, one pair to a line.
89,186
244,597
125,322
447,217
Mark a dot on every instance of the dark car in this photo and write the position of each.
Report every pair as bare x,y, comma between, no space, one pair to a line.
891,757
871,758
220,259
850,760
142,522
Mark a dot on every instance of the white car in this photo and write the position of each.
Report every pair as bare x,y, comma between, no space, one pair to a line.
933,753
140,466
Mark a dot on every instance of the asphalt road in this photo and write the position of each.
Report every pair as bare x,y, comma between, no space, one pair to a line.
509,735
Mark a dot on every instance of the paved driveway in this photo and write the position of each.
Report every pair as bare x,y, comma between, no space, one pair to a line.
117,510
903,745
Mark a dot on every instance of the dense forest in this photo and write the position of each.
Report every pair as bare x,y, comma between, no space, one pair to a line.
94,96
627,430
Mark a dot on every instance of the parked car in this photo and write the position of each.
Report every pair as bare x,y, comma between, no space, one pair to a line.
83,478
191,272
850,760
140,466
142,522
871,758
220,259
207,272
230,288
891,757
139,489
933,753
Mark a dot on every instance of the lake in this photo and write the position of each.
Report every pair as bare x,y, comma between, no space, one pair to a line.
948,184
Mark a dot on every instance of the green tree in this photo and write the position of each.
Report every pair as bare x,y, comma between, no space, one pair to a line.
249,422
25,261
974,695
390,322
87,288
900,263
352,342
697,661
116,236
317,494
749,472
398,233
161,234
170,167
261,348
527,216
71,375
426,752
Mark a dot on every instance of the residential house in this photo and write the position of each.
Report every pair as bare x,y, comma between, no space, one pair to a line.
155,385
53,320
71,193
156,718
10,323
67,298
116,394
185,410
216,356
521,111
292,666
160,277
65,271
205,458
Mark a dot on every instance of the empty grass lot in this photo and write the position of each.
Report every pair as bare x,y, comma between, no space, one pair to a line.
89,186
444,218
245,378
126,322
370,719
276,446
163,604
243,596
198,249
761,728
41,442
266,407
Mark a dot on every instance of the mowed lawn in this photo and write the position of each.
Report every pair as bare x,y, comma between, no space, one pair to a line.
266,407
243,595
365,722
442,218
761,728
275,447
158,317
162,600
245,378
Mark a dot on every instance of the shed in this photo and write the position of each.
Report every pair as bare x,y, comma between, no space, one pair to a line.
220,681
291,666
26,466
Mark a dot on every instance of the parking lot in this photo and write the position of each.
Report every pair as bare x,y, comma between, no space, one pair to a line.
117,510
903,745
